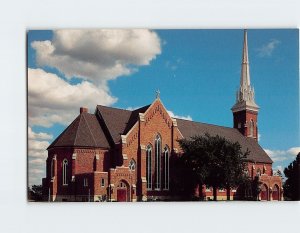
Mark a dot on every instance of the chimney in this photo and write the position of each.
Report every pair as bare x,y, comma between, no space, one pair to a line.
83,109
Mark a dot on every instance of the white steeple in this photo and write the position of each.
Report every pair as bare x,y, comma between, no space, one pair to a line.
245,94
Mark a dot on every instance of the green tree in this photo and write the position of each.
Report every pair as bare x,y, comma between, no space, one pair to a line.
213,161
291,186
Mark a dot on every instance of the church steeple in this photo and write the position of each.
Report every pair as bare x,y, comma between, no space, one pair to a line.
245,109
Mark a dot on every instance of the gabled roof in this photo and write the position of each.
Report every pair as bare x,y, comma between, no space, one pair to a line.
191,128
119,121
84,131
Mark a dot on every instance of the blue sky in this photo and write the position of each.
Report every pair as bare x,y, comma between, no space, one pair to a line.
196,71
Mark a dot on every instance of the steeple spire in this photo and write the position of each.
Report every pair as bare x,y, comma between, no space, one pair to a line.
245,75
245,94
245,110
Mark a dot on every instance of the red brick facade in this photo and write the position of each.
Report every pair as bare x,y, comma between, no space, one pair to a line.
100,174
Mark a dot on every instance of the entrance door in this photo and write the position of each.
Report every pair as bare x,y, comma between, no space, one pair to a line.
264,193
122,191
275,193
121,195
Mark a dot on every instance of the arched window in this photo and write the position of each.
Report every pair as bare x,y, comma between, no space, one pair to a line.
65,172
149,167
157,162
166,168
251,128
132,165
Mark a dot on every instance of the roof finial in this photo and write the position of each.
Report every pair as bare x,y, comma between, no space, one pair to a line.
157,94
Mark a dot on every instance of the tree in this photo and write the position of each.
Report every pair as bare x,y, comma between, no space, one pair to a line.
213,161
291,186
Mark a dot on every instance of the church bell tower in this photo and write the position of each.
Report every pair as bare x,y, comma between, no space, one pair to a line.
245,110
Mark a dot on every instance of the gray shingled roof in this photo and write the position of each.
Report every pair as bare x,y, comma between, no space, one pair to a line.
119,121
191,128
84,131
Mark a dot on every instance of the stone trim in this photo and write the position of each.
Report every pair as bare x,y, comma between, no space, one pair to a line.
74,156
123,139
142,117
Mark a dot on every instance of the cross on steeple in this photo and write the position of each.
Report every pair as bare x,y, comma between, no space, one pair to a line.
157,94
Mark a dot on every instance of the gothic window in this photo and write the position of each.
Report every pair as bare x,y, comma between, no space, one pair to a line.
251,128
132,165
149,167
65,172
166,168
157,162
102,182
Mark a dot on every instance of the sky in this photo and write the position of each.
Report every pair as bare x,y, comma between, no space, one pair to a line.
196,71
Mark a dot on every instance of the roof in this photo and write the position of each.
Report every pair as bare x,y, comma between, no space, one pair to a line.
191,128
119,121
93,131
84,131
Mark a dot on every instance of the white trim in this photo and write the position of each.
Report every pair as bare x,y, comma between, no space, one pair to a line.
166,154
65,172
157,147
148,177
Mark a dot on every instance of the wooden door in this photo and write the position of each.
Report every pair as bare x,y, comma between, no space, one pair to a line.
275,193
264,193
121,195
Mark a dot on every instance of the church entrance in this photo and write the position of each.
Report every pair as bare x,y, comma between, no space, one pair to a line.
264,193
275,193
123,191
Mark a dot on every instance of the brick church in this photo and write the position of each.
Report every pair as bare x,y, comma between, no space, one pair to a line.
121,155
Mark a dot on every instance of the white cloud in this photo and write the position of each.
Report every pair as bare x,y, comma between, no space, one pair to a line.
294,151
98,55
267,49
188,117
41,136
282,155
37,154
53,100
258,136
37,149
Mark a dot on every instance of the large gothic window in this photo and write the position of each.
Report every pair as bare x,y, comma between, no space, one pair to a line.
65,170
166,168
157,162
149,167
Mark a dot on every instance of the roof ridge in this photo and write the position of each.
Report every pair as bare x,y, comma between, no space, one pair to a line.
62,133
80,115
115,108
198,122
127,110
90,130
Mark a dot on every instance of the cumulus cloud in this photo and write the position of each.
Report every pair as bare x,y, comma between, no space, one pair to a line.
188,117
282,155
53,100
98,55
41,135
267,49
37,154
